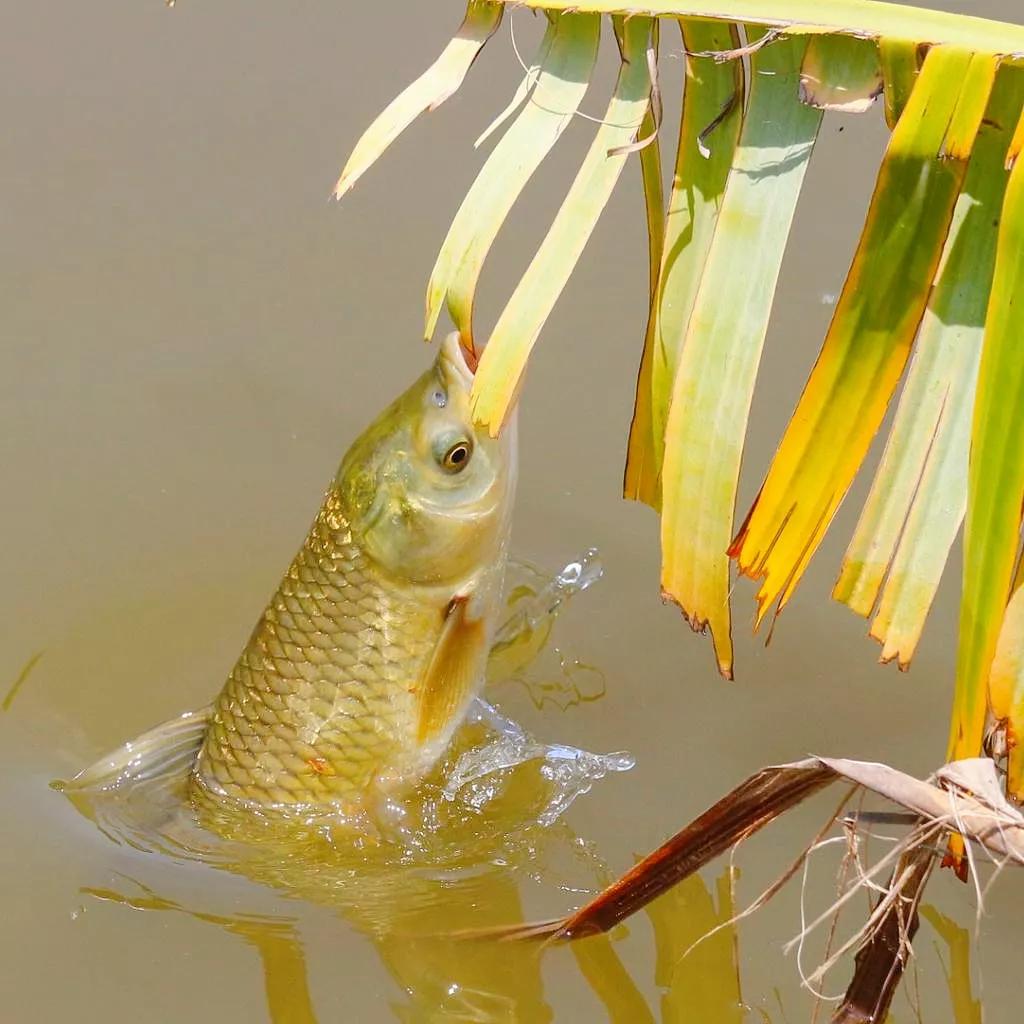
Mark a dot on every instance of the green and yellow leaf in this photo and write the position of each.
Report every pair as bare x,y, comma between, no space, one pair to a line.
1006,690
995,485
714,382
569,50
712,113
504,358
941,253
876,318
919,494
841,73
640,480
900,64
428,92
846,17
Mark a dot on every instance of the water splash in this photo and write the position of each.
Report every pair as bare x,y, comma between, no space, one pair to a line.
483,802
477,774
522,652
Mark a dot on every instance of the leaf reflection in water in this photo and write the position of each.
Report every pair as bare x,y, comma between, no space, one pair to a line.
966,1008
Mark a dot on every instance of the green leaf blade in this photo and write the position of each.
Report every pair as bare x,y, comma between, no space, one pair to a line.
505,355
919,494
869,340
640,478
900,67
712,114
995,481
427,92
714,383
569,51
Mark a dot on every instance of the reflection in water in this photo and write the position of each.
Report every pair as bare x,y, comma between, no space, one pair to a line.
275,939
448,864
604,972
486,981
456,858
700,976
966,1009
452,857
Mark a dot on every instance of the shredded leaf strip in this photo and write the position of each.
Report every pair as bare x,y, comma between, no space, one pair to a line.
428,92
712,113
900,65
570,50
869,340
919,494
505,355
714,383
995,483
640,481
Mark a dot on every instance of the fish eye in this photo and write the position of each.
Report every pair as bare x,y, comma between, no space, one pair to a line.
456,458
439,398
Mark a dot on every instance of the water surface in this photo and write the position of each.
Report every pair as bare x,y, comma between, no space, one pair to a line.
193,335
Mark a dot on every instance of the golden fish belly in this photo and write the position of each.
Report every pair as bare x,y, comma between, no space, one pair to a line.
321,705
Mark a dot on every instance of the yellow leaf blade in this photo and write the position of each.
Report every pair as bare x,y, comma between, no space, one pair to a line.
640,479
714,383
569,50
869,340
1006,686
712,114
900,66
427,92
919,494
505,355
995,481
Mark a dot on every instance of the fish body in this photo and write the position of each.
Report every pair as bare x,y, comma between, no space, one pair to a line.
368,654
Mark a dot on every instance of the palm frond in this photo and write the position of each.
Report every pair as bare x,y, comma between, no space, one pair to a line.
934,284
721,346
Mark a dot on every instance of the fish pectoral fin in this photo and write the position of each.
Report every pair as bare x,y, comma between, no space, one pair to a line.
453,671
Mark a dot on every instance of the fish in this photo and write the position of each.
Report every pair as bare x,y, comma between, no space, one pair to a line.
370,651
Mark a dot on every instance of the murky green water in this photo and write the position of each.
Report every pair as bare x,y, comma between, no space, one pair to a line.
192,336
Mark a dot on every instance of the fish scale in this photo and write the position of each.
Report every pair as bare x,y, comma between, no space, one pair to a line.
321,699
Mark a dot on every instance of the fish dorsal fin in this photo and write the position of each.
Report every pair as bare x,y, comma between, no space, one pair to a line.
453,671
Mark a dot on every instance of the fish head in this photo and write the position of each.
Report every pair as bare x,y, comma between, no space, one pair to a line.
428,494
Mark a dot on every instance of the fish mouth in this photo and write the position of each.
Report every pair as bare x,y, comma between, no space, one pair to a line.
458,361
